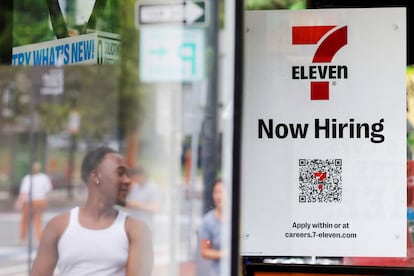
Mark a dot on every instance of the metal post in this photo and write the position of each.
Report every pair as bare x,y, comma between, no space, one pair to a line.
73,129
71,165
31,161
237,131
174,139
197,91
209,131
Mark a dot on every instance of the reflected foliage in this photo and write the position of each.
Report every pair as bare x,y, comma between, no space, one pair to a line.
30,22
91,90
98,101
132,101
32,25
54,116
275,4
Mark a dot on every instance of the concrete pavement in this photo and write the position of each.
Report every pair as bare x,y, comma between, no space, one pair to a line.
14,256
179,255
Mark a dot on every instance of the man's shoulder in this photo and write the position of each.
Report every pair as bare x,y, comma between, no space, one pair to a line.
58,224
134,223
136,228
209,216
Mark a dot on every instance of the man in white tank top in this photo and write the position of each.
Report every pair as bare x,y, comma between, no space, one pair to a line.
97,239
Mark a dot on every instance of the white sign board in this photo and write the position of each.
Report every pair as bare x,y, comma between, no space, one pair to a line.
92,48
171,54
53,82
188,13
324,133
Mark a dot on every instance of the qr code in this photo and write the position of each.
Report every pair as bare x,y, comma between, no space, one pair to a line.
320,180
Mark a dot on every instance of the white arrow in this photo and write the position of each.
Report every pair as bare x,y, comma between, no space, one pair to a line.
185,13
192,12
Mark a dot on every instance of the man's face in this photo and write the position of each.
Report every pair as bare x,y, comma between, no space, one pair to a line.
114,179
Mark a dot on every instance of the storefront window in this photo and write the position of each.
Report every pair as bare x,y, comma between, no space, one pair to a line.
150,81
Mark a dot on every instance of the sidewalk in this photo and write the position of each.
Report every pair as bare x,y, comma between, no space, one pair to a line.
183,259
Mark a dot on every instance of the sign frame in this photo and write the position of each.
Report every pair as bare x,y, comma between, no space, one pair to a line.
257,173
186,13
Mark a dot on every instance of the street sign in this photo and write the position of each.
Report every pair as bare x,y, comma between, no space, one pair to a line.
92,48
53,82
191,13
171,54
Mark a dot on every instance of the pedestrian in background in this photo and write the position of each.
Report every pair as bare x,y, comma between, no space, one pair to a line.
40,185
144,199
97,238
210,233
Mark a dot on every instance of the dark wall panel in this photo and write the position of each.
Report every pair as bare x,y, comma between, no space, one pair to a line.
6,31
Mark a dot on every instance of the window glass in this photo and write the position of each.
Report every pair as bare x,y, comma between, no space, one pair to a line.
370,261
150,81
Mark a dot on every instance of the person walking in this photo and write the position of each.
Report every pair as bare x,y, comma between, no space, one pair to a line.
97,238
143,200
39,185
210,232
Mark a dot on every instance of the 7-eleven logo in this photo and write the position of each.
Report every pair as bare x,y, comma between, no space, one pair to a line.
320,176
329,40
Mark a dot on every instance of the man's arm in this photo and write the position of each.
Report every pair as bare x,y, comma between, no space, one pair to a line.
207,252
47,255
140,255
19,201
23,193
49,184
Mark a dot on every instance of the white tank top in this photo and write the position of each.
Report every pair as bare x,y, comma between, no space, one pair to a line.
85,251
